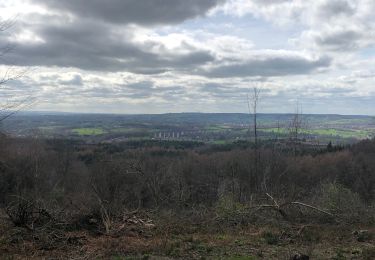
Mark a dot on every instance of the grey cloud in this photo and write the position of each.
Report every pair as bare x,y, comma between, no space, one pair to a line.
92,45
89,45
332,8
144,12
89,92
268,66
340,40
147,89
225,91
143,85
19,90
222,90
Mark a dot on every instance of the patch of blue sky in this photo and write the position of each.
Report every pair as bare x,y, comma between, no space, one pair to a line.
367,52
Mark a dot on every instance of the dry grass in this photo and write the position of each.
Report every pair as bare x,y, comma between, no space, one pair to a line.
164,242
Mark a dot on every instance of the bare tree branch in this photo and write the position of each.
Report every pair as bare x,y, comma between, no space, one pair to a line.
280,207
311,207
253,102
9,108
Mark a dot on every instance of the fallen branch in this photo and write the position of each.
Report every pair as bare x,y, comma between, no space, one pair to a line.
311,207
280,207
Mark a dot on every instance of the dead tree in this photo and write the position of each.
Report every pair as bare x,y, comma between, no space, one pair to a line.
10,106
295,127
253,102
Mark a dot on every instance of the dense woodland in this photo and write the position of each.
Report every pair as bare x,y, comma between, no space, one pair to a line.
178,175
49,186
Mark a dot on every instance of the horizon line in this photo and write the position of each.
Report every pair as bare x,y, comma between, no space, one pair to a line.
167,113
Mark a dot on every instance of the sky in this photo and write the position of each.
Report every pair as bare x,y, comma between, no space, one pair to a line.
167,56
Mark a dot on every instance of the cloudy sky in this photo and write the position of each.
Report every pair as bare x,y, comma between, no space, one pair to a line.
157,56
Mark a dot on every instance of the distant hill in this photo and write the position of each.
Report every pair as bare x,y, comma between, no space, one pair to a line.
200,126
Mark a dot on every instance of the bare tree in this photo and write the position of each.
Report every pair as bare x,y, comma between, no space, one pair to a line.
9,73
253,102
296,125
11,105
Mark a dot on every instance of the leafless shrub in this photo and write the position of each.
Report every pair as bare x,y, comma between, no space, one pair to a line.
28,214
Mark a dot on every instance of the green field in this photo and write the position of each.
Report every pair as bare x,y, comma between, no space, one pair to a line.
88,131
358,134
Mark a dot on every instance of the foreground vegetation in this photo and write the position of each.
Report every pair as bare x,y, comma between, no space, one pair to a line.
152,200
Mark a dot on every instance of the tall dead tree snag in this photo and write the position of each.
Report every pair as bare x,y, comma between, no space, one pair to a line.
253,102
296,126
